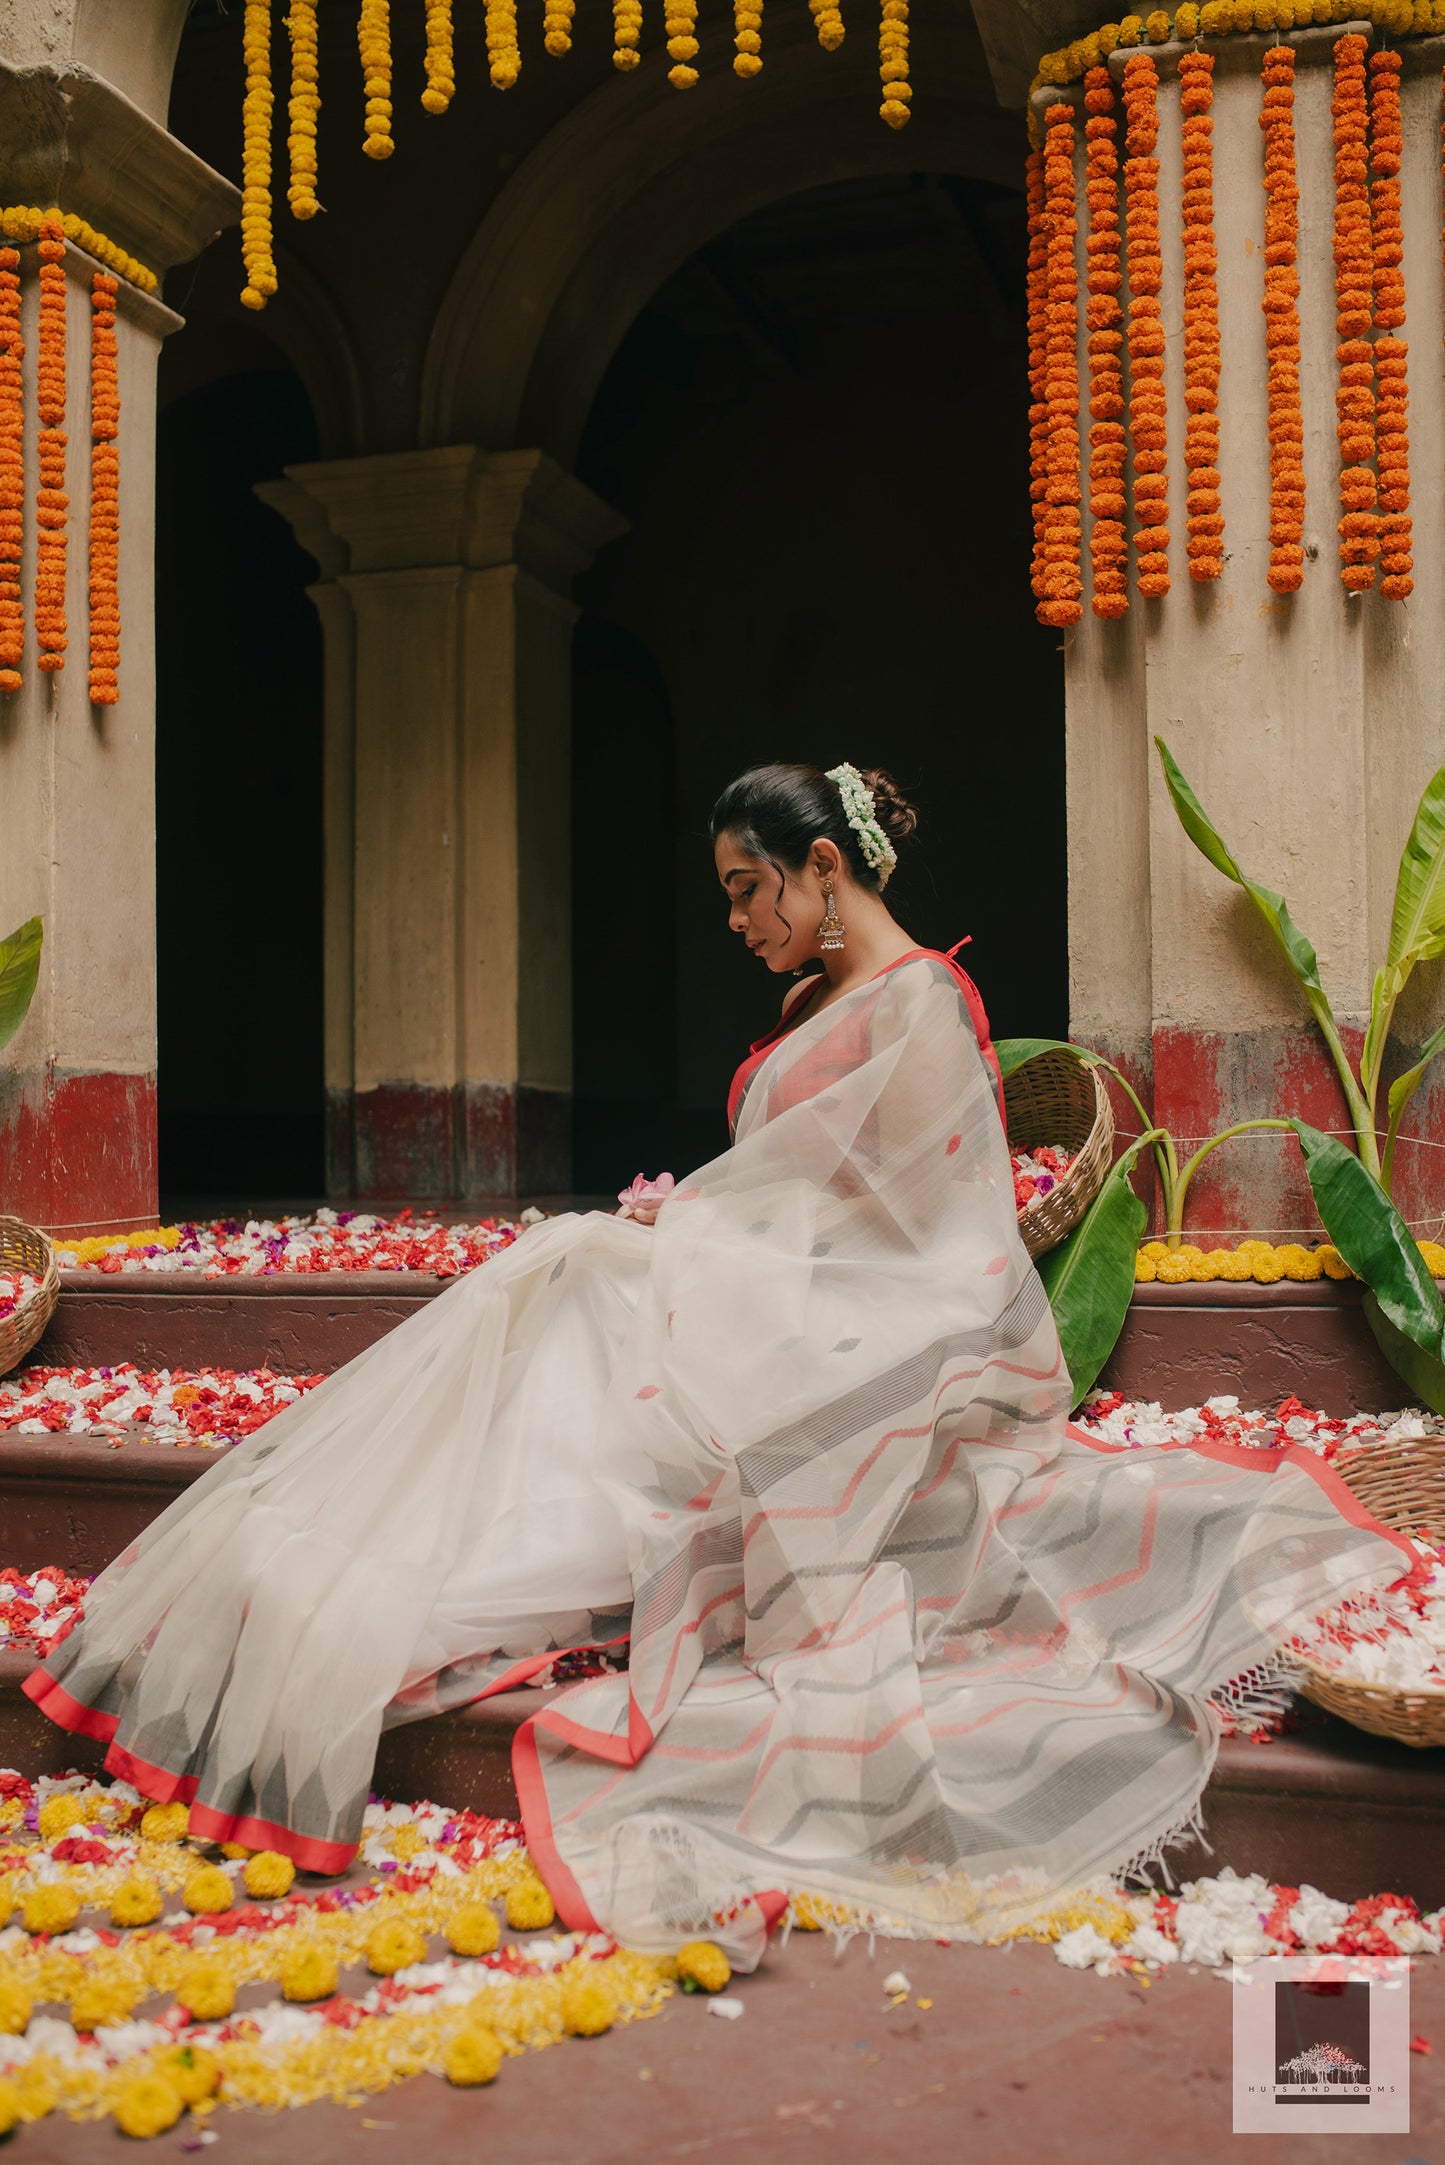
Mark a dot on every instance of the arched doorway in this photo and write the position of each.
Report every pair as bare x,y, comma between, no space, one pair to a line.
817,430
238,797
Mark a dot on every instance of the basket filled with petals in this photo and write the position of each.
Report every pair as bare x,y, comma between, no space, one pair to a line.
29,1289
1061,1135
1378,1660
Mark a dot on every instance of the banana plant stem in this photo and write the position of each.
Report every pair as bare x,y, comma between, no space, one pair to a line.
1191,1166
1165,1156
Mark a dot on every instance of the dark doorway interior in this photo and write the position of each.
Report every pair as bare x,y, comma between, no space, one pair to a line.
818,431
238,802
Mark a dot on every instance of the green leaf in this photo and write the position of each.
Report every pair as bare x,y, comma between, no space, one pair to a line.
1272,907
1016,1052
1090,1276
1373,1238
19,972
1403,1088
1424,1372
1417,926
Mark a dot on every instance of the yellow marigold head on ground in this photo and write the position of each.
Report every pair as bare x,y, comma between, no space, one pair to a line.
38,2090
15,2005
206,1987
58,1815
473,2055
100,1998
268,1876
9,2105
474,1930
166,1823
393,1946
137,1900
309,1974
586,2007
529,1906
52,1907
702,1967
406,1841
7,1902
148,2105
208,1890
235,1850
195,2072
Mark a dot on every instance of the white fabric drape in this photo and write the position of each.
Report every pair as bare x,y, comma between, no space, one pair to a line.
896,1628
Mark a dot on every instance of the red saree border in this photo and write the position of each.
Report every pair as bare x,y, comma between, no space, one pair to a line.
571,1903
55,1701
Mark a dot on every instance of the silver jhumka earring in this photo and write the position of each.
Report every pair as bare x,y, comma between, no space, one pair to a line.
832,929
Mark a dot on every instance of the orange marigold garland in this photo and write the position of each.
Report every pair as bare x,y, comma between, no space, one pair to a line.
1391,427
302,109
12,473
1205,521
1038,325
441,83
1282,326
104,495
893,62
557,21
1147,410
256,239
828,22
503,52
373,42
1354,303
51,502
1061,577
1108,546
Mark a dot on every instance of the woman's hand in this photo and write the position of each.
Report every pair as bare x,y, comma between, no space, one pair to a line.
645,1198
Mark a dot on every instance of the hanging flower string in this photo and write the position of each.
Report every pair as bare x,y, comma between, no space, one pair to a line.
104,495
893,62
1282,325
503,54
557,20
373,40
626,31
12,473
302,109
1392,439
22,222
1147,408
256,235
680,22
1354,302
52,505
1038,334
440,68
747,37
828,22
1204,523
1060,576
1108,547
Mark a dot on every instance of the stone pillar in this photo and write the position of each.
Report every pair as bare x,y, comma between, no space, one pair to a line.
444,600
77,783
1307,723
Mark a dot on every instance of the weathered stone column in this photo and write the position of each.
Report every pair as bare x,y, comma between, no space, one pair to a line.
1307,723
444,601
77,782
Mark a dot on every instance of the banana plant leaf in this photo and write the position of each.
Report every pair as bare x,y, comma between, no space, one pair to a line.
1090,1276
1417,926
1016,1052
1374,1240
1402,1089
1424,1372
19,972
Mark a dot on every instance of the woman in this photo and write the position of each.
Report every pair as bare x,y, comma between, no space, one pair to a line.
899,1634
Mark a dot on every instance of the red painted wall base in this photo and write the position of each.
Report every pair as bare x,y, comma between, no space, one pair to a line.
78,1152
435,1143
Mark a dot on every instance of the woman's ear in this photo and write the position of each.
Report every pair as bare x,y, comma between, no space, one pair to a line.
825,859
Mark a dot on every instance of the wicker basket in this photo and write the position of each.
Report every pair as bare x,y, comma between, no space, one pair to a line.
1404,1486
1056,1098
24,1247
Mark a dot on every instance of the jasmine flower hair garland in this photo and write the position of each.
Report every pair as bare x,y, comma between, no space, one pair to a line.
858,806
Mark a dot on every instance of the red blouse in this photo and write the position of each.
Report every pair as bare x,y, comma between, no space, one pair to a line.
758,1052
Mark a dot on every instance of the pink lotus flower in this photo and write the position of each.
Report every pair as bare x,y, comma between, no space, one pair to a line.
645,1198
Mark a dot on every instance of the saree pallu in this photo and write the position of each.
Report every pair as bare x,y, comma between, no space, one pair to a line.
900,1635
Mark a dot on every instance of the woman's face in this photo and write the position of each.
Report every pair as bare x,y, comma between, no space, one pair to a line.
777,914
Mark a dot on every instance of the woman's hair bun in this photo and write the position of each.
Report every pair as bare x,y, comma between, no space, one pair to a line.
894,814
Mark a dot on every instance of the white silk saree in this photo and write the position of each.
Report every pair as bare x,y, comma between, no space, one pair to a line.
899,1634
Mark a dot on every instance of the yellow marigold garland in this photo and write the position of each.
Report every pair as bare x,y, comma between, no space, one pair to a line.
440,76
104,495
256,235
52,505
1392,440
1147,407
1282,325
1108,546
503,54
1038,333
1257,1260
373,40
747,37
1224,18
12,473
1061,575
893,62
680,22
1355,394
828,22
302,108
1204,522
22,222
626,32
557,20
